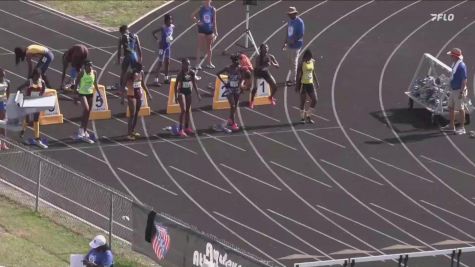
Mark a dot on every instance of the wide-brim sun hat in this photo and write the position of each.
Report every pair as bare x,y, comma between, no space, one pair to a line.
456,52
292,10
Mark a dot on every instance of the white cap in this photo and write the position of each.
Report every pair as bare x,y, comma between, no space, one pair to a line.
98,241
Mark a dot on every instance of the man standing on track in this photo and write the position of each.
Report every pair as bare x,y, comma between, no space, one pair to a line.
132,54
293,42
76,56
164,47
458,84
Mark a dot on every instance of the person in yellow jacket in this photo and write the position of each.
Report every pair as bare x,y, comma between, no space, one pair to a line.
307,83
87,82
42,54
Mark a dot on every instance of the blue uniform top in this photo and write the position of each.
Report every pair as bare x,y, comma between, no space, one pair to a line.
207,19
166,32
295,31
459,75
100,258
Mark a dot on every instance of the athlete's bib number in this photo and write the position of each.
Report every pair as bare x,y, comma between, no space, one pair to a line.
43,59
207,18
234,84
263,88
309,76
186,85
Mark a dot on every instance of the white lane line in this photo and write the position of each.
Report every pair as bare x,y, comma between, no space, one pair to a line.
354,173
166,117
261,233
75,123
250,177
372,137
400,169
301,174
324,139
315,115
311,228
275,141
448,211
262,114
61,196
120,120
73,148
148,13
111,168
447,166
301,130
224,142
362,225
158,92
113,74
390,125
63,15
416,222
124,146
285,24
55,31
211,114
199,179
175,144
147,181
7,50
28,39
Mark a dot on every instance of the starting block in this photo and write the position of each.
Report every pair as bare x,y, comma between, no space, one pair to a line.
100,108
262,93
172,107
145,108
51,116
219,100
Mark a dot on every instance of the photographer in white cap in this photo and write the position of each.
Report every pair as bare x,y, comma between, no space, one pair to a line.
100,254
458,84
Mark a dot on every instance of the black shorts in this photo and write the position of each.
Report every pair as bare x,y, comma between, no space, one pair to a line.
184,91
203,31
307,88
86,95
263,74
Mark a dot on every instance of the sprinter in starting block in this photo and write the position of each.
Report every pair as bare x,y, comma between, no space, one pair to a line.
75,56
35,87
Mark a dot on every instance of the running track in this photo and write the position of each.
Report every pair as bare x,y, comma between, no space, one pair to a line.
369,175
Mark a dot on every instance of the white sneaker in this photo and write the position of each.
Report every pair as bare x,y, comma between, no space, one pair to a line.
81,133
86,135
461,131
210,66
